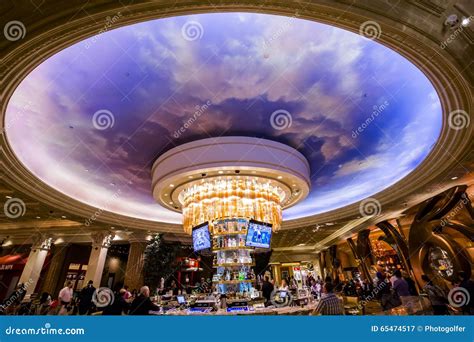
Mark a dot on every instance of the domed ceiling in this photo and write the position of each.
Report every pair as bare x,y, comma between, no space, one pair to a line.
90,120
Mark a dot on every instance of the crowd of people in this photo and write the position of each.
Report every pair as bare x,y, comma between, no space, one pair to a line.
389,290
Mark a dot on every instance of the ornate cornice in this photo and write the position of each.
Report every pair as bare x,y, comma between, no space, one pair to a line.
408,28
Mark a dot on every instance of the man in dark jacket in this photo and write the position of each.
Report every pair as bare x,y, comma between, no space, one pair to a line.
85,299
142,305
267,289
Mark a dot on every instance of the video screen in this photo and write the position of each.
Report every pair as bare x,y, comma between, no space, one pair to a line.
259,234
201,237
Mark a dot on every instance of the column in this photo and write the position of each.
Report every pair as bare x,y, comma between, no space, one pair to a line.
136,260
55,269
32,271
101,242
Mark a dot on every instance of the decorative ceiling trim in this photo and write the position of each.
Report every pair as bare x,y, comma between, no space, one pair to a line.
61,24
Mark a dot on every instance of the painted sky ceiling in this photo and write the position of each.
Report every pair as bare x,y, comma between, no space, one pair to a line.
91,120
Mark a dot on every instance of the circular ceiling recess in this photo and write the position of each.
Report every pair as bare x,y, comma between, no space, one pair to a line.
91,120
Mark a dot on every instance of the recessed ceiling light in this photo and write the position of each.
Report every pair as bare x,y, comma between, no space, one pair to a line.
171,185
190,177
63,216
302,244
8,197
38,217
454,178
465,21
280,177
220,172
170,202
166,195
293,184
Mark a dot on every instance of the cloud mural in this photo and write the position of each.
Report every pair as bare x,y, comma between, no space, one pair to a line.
90,120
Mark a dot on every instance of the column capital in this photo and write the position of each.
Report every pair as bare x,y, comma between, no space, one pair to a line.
42,242
138,236
102,239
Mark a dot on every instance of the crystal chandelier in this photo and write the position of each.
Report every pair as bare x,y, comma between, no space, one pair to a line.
232,197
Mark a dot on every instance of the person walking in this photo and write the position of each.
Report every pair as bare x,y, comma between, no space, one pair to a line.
85,298
402,289
65,298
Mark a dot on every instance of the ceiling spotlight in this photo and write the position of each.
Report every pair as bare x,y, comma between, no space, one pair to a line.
220,172
171,185
301,244
280,177
38,217
166,195
63,216
454,178
8,197
170,202
465,21
190,177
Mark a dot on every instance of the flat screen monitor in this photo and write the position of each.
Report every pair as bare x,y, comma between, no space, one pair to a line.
201,237
259,234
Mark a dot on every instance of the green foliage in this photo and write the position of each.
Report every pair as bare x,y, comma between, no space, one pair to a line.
159,261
